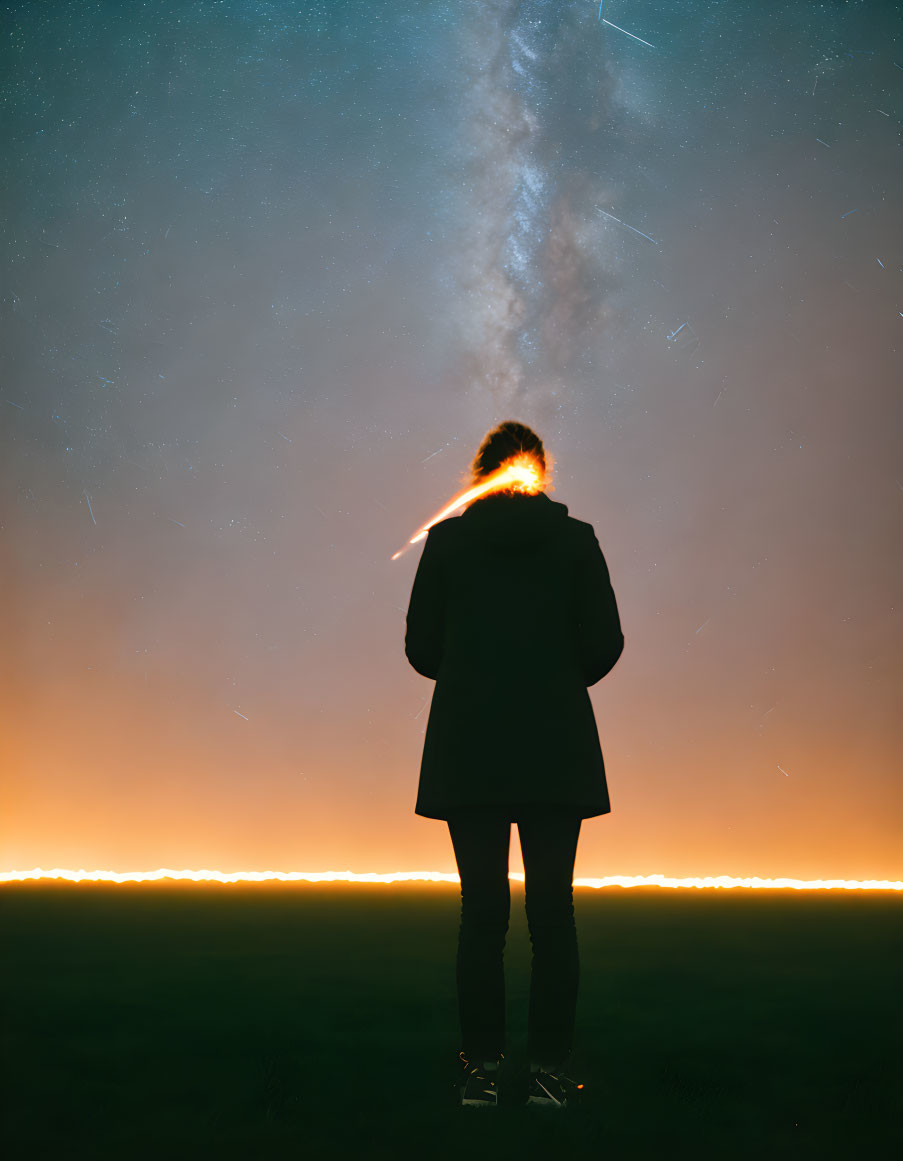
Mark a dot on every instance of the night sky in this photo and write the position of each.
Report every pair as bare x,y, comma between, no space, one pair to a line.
270,273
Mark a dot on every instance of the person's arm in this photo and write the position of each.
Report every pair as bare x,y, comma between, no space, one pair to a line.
600,639
426,613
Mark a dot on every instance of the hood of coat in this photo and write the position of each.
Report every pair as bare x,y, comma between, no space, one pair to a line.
514,521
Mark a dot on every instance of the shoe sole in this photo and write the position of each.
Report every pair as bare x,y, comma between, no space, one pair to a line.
489,1102
479,1102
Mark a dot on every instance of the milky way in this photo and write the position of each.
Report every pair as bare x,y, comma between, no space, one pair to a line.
535,269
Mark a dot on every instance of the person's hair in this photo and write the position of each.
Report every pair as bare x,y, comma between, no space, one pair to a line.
503,442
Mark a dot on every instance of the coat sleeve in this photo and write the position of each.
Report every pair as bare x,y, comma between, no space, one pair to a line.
426,613
600,639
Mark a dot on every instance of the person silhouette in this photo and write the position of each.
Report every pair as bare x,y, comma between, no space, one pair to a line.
513,615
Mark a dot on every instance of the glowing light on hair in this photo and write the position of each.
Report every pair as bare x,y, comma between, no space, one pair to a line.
520,473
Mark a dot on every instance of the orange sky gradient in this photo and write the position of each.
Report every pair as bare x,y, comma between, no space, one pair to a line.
119,758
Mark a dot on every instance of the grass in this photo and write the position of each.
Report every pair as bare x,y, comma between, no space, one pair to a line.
321,1021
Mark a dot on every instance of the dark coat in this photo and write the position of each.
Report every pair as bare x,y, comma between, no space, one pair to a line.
513,614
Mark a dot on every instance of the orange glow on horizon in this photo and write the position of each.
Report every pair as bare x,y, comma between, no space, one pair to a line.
204,876
521,473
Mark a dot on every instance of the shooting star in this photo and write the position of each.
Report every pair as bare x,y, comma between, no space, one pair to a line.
626,33
90,509
618,220
686,341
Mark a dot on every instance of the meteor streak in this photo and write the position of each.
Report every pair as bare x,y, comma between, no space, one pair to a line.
620,223
522,473
624,30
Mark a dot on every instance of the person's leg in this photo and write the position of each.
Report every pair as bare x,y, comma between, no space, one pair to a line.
480,839
548,837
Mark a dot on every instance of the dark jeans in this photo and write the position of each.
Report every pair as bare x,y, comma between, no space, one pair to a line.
548,839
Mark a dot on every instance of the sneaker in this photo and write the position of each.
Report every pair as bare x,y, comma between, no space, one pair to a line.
479,1087
553,1090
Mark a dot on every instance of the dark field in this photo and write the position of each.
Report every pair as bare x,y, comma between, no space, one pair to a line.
311,1021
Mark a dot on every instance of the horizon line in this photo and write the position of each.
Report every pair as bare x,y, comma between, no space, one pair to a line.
656,880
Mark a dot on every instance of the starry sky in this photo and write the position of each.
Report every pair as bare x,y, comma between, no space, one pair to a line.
272,270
